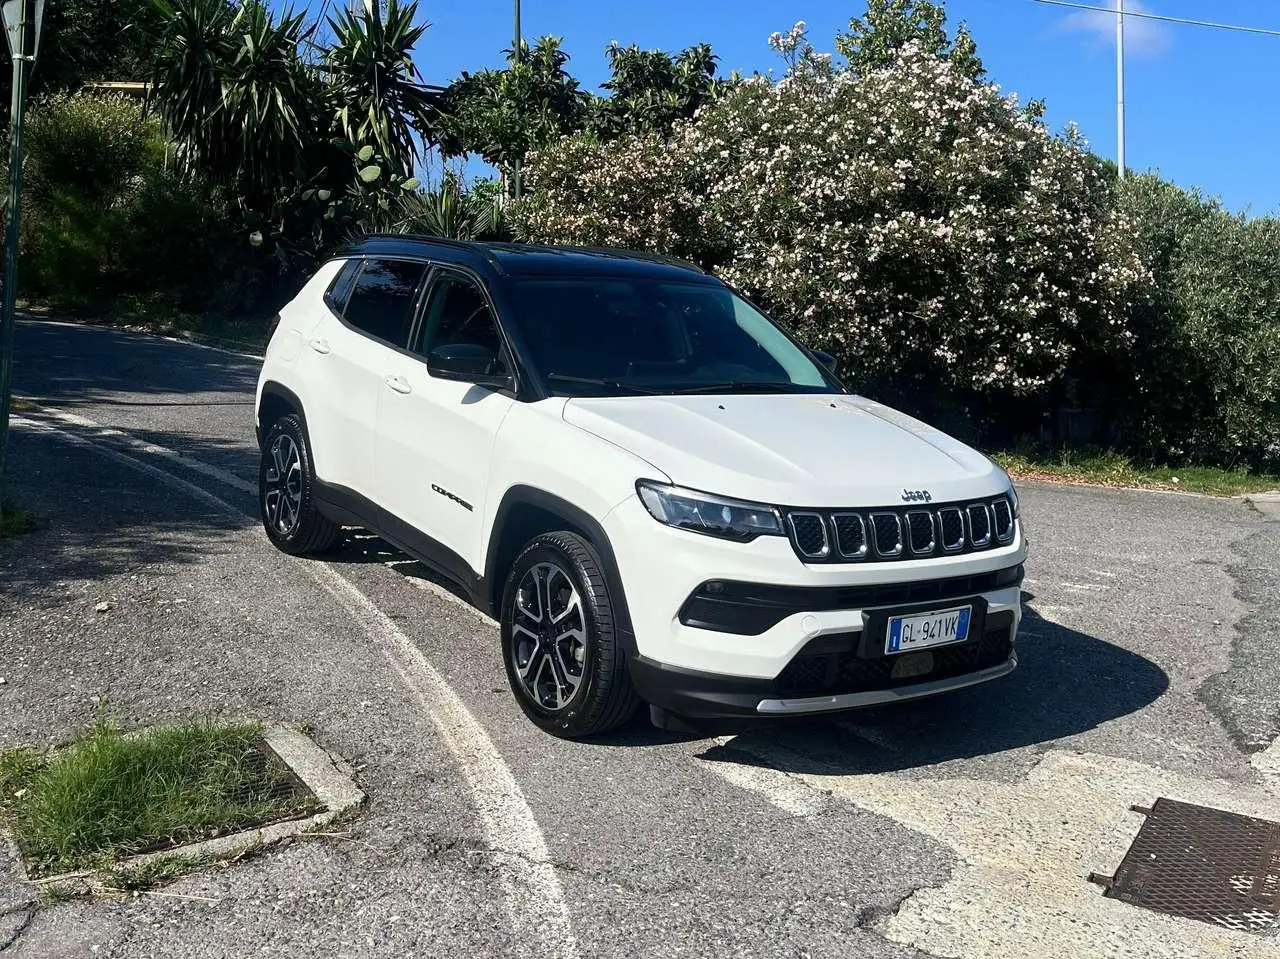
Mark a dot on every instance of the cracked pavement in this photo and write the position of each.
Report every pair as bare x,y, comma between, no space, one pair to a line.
1146,663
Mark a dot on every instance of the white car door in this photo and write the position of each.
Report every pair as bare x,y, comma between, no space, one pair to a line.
354,349
436,430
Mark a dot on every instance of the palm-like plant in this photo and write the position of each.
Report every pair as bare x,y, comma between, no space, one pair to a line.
234,92
376,90
448,212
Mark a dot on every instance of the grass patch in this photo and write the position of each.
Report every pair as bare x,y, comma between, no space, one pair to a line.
107,796
1115,469
15,521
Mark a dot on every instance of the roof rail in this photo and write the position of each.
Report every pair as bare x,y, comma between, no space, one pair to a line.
616,251
471,247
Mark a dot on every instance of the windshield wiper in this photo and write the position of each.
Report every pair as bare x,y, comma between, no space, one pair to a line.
606,384
743,387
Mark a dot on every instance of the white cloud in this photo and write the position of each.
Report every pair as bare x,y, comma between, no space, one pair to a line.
1143,38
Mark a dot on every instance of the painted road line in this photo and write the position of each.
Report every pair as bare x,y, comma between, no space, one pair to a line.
1026,849
532,891
225,477
530,882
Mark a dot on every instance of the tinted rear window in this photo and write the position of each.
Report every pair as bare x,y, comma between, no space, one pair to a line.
382,302
340,288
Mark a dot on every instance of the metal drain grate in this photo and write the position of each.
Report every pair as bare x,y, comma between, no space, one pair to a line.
1203,864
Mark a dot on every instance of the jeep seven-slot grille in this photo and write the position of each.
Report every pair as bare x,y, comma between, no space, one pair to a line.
892,533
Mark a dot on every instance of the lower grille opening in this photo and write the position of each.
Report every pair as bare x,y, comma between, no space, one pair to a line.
818,671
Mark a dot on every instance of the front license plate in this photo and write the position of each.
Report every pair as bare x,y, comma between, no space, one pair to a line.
923,630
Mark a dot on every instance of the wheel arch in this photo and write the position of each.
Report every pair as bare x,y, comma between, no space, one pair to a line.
275,401
526,512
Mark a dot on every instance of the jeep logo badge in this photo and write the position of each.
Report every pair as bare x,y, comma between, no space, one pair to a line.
917,496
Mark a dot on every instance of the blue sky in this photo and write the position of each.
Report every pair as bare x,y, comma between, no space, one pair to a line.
1203,104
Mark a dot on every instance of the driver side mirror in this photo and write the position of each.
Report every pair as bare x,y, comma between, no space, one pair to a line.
468,363
827,360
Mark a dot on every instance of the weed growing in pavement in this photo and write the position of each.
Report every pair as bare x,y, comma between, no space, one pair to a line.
155,872
107,795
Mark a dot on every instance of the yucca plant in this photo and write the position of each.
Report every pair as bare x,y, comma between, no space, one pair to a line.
375,87
231,87
449,212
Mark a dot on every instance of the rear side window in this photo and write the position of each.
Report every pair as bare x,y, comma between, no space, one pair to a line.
340,288
381,304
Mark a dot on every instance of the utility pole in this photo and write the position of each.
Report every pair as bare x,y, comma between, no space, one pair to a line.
1120,119
22,22
519,57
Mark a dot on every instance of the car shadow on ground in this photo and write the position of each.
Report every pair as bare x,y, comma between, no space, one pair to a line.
1067,682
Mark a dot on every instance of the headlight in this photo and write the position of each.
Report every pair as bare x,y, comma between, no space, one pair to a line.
702,513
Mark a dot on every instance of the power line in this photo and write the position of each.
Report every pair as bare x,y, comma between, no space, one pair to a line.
1155,16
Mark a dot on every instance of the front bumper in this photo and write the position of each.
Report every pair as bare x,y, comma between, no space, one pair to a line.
725,629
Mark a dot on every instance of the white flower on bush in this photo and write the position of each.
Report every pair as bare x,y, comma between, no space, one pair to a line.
912,221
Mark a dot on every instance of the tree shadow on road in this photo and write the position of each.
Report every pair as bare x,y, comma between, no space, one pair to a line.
122,363
101,518
1067,683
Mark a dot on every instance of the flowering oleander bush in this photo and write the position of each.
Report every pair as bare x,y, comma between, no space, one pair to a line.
1206,374
913,221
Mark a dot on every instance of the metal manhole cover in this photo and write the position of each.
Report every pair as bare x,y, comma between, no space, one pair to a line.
1204,864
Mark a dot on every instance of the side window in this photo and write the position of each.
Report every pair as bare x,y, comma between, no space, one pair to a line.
457,313
340,288
381,304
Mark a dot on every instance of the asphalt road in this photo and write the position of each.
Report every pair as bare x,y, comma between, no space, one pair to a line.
961,826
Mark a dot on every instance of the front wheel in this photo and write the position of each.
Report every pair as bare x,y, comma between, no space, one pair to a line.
564,659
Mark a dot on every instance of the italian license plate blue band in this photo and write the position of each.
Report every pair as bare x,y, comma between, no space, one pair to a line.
963,616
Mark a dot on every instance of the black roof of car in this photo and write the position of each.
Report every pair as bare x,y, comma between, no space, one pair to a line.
518,259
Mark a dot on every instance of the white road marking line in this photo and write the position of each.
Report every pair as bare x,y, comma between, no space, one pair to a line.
196,466
531,888
791,796
111,453
533,893
1026,849
1086,587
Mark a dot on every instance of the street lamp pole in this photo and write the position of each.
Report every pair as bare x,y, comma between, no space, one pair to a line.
22,21
1120,118
519,56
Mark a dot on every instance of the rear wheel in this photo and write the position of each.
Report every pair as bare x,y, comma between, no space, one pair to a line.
564,660
286,491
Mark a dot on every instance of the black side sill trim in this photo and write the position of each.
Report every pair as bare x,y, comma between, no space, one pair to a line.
347,507
749,609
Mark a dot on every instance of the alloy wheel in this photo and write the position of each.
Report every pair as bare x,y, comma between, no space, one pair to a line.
548,635
282,491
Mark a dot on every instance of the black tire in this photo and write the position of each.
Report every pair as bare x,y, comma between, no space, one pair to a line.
604,697
288,509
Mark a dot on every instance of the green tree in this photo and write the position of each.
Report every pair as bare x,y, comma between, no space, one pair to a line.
87,40
651,90
874,40
501,115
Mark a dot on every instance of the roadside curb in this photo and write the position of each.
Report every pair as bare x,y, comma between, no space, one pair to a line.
231,347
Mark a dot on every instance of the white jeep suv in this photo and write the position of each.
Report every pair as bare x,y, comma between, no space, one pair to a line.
657,492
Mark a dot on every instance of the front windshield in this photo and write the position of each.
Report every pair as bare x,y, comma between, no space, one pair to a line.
610,336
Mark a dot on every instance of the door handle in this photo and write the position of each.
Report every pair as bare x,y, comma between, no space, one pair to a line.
399,384
319,345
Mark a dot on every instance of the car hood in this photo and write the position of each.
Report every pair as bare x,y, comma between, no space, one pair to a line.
790,450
